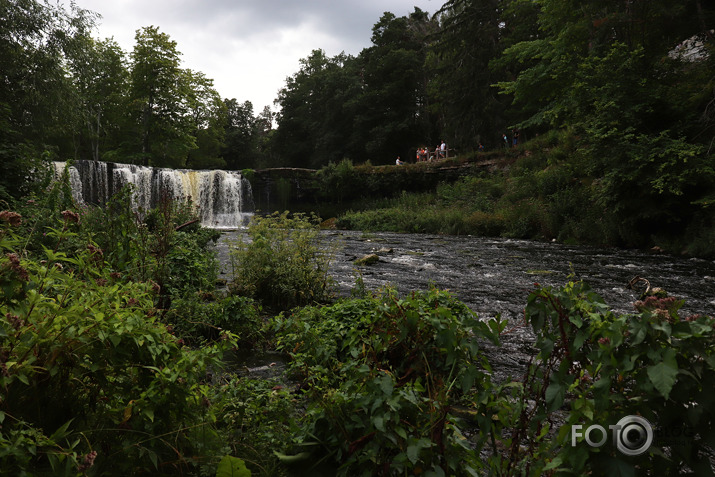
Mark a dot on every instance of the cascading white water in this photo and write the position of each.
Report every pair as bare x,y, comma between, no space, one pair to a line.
222,199
74,179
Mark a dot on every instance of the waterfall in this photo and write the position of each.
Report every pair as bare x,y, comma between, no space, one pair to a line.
221,199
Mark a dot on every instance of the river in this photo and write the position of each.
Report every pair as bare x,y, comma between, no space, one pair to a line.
495,276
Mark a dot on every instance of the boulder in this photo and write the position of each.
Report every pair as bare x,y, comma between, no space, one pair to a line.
367,260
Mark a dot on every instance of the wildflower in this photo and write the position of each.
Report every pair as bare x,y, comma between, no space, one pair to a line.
88,461
16,267
604,341
15,321
95,253
13,218
155,287
70,216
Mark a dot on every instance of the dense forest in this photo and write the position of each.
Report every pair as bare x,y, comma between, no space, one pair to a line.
628,80
624,91
123,351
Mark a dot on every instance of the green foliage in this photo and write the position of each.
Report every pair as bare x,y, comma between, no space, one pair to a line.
382,373
240,145
36,110
284,264
159,93
317,111
258,417
145,245
338,181
91,381
100,80
372,106
554,190
459,60
641,138
198,318
232,467
90,378
594,367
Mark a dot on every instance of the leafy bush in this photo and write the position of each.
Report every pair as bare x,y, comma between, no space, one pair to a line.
283,264
383,372
594,367
339,181
89,377
257,417
196,319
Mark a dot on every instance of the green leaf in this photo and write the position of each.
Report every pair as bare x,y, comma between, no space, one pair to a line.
581,337
664,374
232,467
23,378
554,463
61,432
470,375
413,453
387,385
555,394
379,423
290,459
436,472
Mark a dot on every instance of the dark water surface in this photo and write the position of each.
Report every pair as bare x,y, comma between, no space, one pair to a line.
495,275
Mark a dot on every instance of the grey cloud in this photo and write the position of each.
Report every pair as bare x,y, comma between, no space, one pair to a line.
350,21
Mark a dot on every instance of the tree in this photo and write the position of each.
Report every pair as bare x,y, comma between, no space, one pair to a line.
100,80
315,121
209,116
239,147
607,72
461,58
160,97
35,88
391,114
372,107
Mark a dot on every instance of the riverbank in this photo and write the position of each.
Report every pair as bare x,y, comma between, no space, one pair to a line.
546,189
495,275
375,368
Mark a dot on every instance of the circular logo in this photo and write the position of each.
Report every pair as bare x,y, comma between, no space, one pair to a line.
633,435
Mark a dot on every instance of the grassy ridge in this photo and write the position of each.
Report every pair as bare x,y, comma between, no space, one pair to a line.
547,192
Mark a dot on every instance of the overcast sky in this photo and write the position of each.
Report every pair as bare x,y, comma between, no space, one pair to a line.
249,47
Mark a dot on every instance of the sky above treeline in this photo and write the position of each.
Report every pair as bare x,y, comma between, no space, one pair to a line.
249,47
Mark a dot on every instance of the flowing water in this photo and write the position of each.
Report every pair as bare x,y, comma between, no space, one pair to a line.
492,276
222,199
495,275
